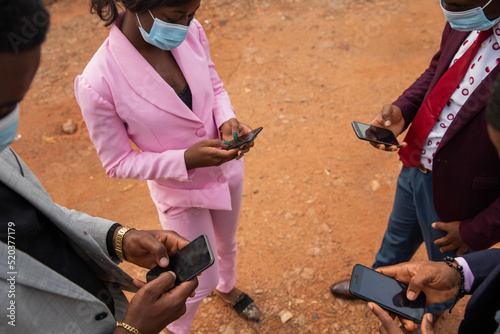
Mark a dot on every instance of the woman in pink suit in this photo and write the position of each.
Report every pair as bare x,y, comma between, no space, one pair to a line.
152,83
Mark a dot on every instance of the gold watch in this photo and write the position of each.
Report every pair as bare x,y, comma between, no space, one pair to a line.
119,240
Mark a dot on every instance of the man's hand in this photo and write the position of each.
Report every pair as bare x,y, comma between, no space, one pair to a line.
389,326
152,308
150,248
452,240
391,117
438,281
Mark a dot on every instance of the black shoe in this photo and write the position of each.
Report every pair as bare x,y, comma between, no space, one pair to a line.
341,290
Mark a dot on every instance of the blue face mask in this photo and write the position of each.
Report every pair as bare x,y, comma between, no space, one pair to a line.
469,20
8,128
164,35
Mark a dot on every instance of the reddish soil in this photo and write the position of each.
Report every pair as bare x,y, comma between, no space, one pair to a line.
317,199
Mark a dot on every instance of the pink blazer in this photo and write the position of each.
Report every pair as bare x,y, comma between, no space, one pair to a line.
124,99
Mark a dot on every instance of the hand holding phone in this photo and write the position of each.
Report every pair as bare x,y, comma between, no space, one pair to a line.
188,262
243,139
375,134
387,292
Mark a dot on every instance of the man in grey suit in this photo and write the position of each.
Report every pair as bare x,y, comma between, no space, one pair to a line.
58,267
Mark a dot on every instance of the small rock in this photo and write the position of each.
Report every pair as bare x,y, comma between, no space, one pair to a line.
285,315
226,330
313,251
69,127
300,320
307,274
375,185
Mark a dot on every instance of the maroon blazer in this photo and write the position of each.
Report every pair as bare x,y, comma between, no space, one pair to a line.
466,167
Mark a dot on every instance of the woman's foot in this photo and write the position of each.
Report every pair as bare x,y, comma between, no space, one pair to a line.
241,303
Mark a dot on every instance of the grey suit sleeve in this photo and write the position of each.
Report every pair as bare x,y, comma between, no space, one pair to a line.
97,227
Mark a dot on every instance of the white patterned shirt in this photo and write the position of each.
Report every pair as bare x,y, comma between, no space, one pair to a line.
486,59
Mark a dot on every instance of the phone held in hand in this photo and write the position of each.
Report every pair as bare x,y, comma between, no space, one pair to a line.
246,138
387,292
375,134
187,262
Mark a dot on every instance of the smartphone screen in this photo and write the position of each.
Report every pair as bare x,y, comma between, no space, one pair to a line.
247,137
188,261
387,292
374,134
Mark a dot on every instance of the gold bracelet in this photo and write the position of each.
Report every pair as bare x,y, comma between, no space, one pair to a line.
119,241
128,327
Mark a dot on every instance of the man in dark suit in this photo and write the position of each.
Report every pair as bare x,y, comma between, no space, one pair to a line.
448,190
440,282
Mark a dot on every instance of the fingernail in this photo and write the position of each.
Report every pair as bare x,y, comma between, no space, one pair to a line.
433,225
227,142
387,122
163,262
243,147
370,306
411,295
235,135
429,317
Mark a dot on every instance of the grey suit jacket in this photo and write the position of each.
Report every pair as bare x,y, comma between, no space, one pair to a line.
37,299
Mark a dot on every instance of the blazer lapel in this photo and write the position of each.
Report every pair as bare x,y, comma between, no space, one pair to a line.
30,272
448,51
143,78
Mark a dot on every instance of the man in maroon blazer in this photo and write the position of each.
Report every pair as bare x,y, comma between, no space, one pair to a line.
448,189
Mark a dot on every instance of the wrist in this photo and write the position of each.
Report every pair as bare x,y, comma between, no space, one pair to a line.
118,240
460,279
126,328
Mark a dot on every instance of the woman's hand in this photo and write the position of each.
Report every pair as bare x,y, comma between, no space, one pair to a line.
208,153
233,129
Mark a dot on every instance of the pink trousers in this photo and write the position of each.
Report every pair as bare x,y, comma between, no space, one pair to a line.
220,228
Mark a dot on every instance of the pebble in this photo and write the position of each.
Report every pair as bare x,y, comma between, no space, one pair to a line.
307,273
226,330
375,185
69,127
285,315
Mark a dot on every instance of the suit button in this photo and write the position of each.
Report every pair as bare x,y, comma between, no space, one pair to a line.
222,179
100,316
201,132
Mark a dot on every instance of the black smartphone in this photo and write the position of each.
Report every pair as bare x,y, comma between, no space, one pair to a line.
387,292
246,138
374,134
187,262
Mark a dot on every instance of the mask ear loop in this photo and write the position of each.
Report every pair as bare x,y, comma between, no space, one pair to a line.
138,20
140,25
486,4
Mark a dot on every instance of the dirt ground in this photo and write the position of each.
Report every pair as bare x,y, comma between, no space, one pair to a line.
316,198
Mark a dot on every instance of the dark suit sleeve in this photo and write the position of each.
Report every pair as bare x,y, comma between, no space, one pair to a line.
412,98
482,231
482,264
